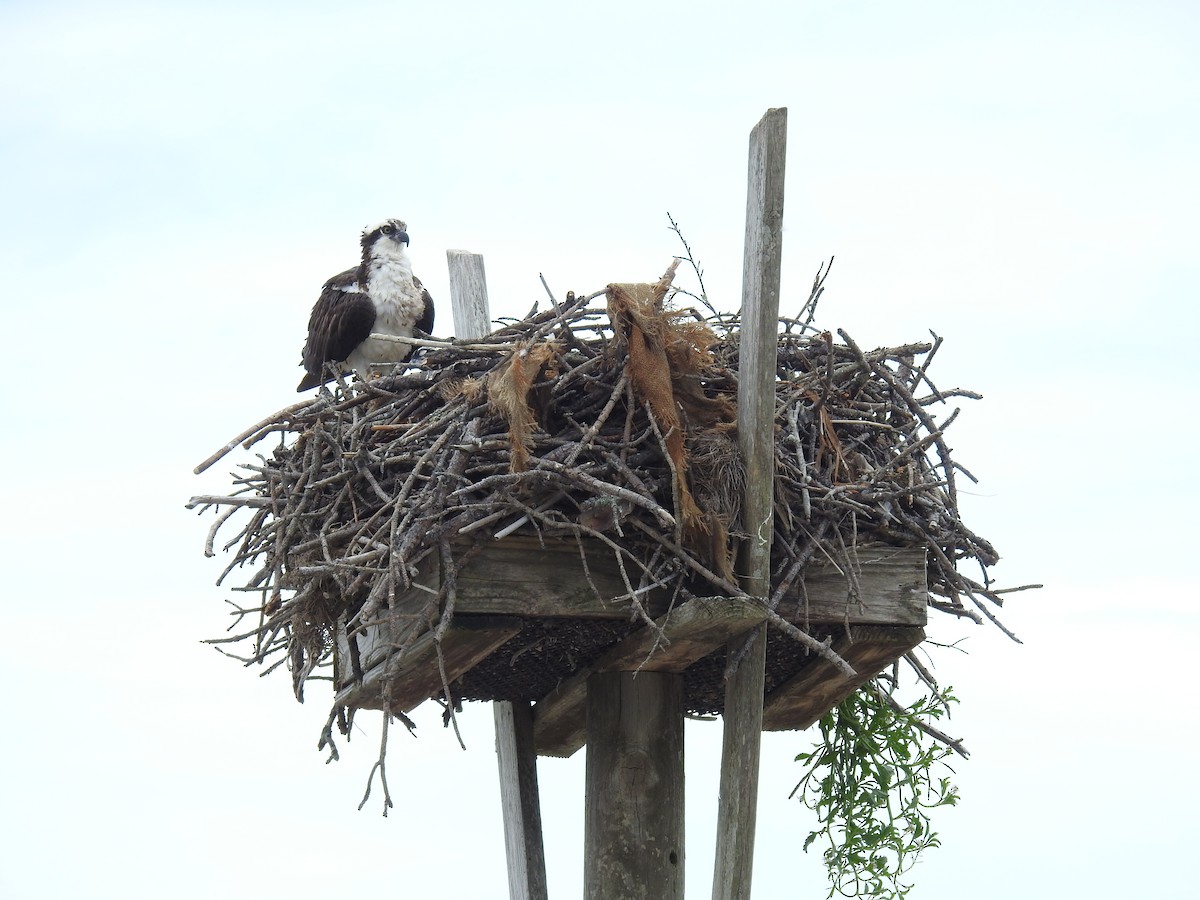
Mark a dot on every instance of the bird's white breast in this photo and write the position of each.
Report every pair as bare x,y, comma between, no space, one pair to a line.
398,305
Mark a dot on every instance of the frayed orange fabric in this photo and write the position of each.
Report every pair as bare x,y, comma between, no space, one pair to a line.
508,390
665,359
470,388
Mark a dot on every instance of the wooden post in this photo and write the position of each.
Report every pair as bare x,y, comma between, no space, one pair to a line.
515,752
737,811
519,799
468,294
633,827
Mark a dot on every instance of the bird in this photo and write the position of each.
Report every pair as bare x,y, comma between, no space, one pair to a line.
380,295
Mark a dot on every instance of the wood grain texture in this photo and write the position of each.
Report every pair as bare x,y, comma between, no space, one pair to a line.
758,351
520,575
519,801
634,823
884,586
468,294
691,632
560,718
402,684
688,633
515,755
758,345
817,688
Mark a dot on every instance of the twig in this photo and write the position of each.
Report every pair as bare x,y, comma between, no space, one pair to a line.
937,734
380,767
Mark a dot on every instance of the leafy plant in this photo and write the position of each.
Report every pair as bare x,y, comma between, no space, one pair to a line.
872,782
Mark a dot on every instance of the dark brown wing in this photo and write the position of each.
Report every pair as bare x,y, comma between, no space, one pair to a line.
341,320
425,323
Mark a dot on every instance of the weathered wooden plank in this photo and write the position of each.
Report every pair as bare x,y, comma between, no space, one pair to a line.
521,576
634,824
691,632
887,586
558,727
389,630
559,716
890,587
468,294
758,353
403,684
519,801
741,742
817,688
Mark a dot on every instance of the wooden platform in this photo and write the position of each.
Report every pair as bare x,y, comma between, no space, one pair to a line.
530,625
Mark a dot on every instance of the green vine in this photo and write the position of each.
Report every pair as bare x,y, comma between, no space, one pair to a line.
872,782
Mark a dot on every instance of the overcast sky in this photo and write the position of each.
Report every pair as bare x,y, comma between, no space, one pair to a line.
178,180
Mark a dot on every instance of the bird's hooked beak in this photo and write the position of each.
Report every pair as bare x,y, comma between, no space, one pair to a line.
400,237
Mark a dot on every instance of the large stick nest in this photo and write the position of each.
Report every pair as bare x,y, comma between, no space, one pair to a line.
614,421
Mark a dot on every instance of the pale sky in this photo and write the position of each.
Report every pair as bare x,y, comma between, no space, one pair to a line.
178,181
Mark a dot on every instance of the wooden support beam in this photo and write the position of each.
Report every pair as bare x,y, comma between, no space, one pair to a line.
758,353
633,825
524,576
519,800
403,683
515,754
686,634
888,588
817,688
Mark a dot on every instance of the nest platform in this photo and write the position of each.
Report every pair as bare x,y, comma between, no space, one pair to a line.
503,518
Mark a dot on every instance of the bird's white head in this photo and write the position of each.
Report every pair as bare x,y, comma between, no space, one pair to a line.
387,239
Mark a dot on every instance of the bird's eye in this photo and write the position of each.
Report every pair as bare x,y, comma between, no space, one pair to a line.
386,229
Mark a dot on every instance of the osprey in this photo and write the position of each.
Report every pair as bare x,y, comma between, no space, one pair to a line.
381,295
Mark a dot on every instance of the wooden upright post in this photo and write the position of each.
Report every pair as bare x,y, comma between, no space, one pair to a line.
515,753
517,759
633,827
468,294
737,812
